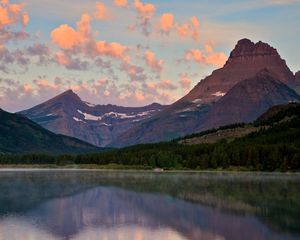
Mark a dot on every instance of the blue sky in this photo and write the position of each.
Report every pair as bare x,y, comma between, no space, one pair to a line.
134,54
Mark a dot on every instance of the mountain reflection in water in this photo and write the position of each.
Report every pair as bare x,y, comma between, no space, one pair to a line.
113,213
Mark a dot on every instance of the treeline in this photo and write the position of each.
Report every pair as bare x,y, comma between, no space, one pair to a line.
274,148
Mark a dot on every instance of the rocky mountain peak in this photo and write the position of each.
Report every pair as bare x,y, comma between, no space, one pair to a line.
245,61
247,48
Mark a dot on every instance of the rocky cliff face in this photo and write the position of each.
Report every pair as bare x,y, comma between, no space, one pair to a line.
97,124
245,61
247,100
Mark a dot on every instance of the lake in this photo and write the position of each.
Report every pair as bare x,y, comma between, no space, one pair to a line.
117,205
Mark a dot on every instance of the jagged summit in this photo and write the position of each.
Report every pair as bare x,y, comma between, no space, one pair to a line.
247,48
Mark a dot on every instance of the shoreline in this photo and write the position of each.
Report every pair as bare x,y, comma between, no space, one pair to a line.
119,168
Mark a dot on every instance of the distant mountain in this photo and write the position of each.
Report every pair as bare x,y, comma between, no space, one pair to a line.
248,99
97,124
18,134
189,113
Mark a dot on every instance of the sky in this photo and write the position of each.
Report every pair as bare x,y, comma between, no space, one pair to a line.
130,52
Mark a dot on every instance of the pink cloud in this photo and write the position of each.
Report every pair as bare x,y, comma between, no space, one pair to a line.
185,81
81,41
208,57
189,29
101,12
164,84
145,13
152,62
121,3
113,49
25,19
146,10
67,37
166,22
12,14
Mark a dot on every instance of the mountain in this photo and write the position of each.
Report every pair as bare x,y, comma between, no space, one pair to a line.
248,99
245,61
97,124
297,77
18,134
188,114
297,82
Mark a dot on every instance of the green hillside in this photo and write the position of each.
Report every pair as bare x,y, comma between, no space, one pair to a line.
20,135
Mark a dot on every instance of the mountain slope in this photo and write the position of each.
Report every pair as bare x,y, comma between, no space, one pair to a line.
187,115
297,82
20,135
97,124
249,99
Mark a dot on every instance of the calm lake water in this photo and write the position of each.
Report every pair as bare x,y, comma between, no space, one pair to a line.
44,204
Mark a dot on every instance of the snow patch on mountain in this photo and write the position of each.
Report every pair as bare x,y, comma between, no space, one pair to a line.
78,120
90,116
219,94
90,104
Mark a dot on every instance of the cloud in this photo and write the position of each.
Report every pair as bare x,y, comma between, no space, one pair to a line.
145,13
101,12
114,49
185,81
71,63
7,35
166,22
41,51
134,72
25,19
8,58
189,29
67,37
81,41
152,62
164,84
12,14
209,56
121,3
145,10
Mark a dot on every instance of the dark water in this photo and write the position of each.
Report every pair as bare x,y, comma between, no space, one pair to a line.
100,205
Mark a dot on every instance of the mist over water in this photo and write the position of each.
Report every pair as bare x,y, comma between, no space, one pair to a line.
141,206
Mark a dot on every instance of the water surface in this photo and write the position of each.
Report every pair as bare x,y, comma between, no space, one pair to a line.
103,205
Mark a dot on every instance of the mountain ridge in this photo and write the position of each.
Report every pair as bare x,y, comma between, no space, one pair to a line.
97,124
